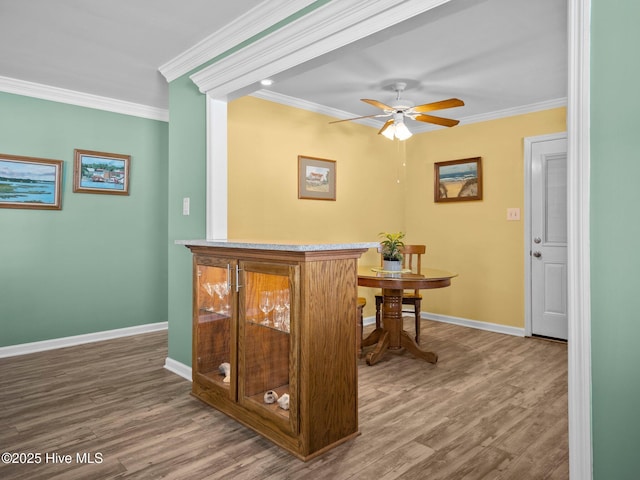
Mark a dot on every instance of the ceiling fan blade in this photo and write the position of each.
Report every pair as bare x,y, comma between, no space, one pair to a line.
387,124
376,103
358,118
445,122
442,104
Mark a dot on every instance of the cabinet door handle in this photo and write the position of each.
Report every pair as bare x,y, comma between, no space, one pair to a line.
238,270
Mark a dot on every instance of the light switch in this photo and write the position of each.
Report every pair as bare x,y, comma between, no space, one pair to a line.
185,205
513,214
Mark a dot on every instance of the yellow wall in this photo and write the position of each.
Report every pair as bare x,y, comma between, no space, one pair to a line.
265,139
388,186
474,238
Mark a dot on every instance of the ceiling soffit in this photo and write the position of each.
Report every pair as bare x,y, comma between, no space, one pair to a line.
330,27
255,21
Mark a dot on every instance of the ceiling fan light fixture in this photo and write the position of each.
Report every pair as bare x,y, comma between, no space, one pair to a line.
398,110
390,132
402,132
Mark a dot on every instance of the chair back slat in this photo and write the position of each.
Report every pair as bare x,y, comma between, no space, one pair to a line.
412,258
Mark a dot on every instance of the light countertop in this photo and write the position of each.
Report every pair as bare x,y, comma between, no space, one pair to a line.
279,246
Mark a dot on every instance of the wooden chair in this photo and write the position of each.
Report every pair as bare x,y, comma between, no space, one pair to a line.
411,259
359,319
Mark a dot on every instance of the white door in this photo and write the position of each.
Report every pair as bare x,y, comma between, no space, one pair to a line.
548,242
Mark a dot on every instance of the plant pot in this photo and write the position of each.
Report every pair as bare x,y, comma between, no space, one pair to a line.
392,265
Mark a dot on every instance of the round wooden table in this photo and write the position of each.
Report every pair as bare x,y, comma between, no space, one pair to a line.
391,335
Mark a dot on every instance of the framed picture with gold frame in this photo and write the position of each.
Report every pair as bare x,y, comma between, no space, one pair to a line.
29,182
316,178
99,172
458,180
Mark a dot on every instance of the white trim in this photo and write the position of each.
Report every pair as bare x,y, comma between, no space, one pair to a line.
465,322
216,208
26,348
313,107
371,122
462,322
528,150
62,95
579,293
507,112
329,27
178,368
527,235
256,20
369,320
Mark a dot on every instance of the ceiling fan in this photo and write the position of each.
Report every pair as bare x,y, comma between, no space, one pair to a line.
399,109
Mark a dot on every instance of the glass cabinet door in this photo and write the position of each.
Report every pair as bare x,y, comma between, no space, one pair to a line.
214,330
267,347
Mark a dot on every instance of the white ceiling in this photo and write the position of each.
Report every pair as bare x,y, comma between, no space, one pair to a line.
110,48
496,55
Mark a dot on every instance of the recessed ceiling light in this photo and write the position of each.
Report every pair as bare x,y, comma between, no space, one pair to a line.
266,82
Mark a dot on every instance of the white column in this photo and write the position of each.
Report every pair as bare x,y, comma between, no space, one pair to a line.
579,347
216,210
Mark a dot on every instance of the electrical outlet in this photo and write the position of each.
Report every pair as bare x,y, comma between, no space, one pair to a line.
185,205
513,214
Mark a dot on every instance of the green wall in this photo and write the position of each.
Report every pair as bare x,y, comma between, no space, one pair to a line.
100,262
187,170
615,234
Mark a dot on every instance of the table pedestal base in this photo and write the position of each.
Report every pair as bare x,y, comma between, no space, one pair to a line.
392,336
380,338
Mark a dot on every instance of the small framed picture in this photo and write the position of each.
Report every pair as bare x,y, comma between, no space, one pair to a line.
98,172
316,178
458,180
27,182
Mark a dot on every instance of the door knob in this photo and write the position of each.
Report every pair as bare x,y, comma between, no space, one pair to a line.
537,254
537,240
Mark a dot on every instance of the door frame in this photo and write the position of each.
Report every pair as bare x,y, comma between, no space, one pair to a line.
528,161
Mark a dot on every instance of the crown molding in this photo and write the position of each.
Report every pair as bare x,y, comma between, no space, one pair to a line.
370,122
55,94
331,26
256,20
313,107
498,114
521,110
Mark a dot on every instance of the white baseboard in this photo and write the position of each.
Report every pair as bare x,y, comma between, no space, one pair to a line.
368,321
463,322
178,368
32,347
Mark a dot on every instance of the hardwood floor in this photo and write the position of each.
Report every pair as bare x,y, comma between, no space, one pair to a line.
493,407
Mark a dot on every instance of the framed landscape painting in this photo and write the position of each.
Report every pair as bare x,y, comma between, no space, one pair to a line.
98,172
458,180
316,178
27,182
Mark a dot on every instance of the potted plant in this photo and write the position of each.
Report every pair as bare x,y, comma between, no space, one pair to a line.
391,245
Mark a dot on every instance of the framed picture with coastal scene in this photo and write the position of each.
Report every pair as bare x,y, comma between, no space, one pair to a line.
28,182
316,178
458,180
98,172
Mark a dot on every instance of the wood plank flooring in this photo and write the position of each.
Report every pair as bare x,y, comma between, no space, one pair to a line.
493,407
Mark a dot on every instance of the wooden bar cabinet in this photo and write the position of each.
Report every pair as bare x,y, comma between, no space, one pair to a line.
300,344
